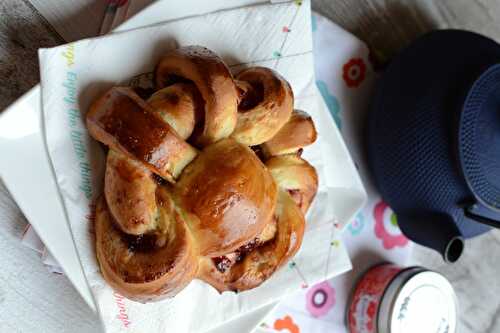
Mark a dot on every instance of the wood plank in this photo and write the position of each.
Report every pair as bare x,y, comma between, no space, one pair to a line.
388,25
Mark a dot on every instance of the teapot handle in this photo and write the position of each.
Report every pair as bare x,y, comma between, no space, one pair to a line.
474,212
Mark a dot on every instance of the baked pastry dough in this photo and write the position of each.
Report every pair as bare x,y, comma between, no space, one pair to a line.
297,133
215,83
265,105
203,179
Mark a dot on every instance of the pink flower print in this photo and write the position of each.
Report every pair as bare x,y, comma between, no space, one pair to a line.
386,227
320,299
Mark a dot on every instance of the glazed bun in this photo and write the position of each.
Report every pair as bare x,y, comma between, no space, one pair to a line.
203,180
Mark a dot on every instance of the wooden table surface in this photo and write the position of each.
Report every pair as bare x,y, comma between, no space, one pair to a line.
385,25
388,25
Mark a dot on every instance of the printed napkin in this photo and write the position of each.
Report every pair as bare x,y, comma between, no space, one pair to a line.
346,79
73,75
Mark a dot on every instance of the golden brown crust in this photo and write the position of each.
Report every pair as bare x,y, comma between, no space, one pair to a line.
231,192
296,134
295,175
152,237
259,263
214,81
123,121
264,108
130,192
243,88
177,105
146,268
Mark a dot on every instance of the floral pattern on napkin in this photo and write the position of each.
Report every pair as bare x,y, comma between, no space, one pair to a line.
345,77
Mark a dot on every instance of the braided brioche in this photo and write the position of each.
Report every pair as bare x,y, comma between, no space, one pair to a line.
203,180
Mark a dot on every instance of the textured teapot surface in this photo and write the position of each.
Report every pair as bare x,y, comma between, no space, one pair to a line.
412,134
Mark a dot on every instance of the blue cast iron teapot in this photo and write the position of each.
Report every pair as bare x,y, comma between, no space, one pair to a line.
433,139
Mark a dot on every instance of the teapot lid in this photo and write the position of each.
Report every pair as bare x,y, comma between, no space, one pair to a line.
479,138
413,131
